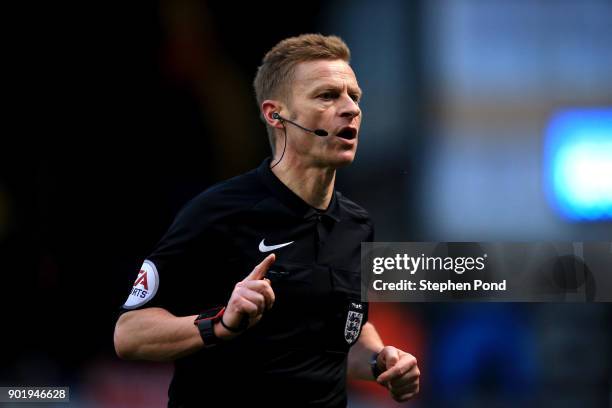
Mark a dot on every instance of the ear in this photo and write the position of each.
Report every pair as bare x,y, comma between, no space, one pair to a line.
268,107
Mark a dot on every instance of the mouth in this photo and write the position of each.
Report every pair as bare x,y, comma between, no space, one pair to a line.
347,132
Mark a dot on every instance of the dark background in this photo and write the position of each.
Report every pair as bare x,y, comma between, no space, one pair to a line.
118,113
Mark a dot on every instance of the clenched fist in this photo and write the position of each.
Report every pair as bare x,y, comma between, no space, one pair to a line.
400,373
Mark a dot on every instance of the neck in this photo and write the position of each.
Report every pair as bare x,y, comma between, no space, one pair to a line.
313,184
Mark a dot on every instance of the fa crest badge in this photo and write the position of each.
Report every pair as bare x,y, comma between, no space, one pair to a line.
354,318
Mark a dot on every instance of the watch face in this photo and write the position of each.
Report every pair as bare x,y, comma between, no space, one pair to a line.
207,331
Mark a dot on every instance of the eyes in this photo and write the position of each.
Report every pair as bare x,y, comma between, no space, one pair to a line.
331,95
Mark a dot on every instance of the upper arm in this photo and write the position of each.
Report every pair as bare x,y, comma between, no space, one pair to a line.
171,269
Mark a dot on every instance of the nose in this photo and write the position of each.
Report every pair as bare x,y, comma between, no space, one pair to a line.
350,108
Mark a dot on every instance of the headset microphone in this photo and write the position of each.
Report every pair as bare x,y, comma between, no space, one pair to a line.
318,132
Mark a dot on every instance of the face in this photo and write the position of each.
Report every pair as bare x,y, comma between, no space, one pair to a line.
325,95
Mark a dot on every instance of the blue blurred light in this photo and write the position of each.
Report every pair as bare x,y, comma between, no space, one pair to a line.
578,164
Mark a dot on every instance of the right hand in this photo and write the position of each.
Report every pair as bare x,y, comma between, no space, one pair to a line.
251,297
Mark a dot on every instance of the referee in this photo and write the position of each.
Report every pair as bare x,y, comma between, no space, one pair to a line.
254,291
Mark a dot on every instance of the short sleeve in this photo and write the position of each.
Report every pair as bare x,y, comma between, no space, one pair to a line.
175,265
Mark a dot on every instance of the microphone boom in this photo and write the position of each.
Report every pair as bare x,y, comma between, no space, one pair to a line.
317,132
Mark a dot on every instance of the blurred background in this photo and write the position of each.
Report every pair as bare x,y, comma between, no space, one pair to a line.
483,121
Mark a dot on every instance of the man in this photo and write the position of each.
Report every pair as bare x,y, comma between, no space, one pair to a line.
293,327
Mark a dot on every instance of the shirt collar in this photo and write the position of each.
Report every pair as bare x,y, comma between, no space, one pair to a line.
292,200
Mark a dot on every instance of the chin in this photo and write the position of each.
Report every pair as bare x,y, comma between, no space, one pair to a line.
342,159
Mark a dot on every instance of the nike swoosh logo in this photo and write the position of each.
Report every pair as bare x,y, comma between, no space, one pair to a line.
265,248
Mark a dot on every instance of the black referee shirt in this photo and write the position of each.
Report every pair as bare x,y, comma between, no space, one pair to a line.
297,354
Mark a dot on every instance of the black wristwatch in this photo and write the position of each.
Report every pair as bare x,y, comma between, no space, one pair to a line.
206,324
374,366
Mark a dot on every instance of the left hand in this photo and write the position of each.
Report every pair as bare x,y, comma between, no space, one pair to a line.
400,373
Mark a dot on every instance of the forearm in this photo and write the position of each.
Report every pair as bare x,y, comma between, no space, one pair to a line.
361,353
155,334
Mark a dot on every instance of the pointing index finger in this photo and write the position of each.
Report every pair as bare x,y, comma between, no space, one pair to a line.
259,272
